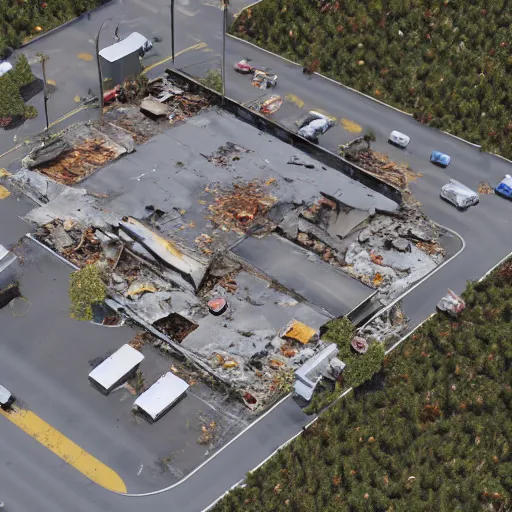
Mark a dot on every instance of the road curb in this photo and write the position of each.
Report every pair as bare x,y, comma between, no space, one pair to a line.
363,94
66,24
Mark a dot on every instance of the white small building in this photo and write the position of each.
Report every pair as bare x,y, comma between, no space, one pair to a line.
121,60
161,396
116,369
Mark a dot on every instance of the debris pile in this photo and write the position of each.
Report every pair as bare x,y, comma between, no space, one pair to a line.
149,111
242,207
379,164
484,188
78,152
226,154
386,328
385,252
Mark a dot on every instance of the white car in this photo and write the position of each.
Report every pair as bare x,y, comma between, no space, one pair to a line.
399,139
459,195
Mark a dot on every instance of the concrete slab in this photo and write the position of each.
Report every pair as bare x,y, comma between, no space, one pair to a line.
303,272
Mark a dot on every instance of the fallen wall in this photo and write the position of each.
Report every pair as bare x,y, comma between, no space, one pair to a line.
264,124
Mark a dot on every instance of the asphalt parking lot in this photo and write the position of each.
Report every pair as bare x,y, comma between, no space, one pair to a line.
46,358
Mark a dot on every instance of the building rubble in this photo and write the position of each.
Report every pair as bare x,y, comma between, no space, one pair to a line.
187,219
388,252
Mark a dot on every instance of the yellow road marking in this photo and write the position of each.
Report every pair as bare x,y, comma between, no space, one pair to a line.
351,126
66,449
69,114
4,193
198,46
85,56
295,100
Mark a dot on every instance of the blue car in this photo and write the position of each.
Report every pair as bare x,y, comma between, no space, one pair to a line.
504,188
439,158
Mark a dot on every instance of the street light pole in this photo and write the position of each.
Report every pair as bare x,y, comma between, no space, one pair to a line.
225,5
44,58
101,99
172,29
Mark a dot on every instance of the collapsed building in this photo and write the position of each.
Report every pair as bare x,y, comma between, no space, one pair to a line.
231,245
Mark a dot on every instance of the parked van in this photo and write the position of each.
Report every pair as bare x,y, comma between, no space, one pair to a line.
399,139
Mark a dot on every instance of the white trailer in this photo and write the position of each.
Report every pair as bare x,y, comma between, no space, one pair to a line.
116,369
160,397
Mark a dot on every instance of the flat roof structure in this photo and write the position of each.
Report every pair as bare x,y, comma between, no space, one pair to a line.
161,396
304,273
116,369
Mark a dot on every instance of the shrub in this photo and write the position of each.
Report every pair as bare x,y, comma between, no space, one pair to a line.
86,288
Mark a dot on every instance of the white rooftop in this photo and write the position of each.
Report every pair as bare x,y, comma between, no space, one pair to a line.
161,395
134,42
115,367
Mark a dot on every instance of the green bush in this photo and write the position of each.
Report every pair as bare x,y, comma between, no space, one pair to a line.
86,288
22,72
11,103
19,18
450,68
213,80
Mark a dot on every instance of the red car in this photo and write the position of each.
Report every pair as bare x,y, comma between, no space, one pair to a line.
243,66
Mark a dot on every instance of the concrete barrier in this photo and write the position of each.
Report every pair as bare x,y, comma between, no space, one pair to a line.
264,124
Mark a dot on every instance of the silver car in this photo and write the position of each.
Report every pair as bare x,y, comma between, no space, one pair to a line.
459,195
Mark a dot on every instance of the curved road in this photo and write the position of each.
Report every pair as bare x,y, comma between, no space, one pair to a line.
33,479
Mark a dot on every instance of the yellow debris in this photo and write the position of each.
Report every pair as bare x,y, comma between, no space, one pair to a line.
4,172
77,99
51,82
351,126
4,193
138,290
299,332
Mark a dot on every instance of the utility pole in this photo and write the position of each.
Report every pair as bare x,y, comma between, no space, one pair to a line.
172,29
225,5
43,58
100,98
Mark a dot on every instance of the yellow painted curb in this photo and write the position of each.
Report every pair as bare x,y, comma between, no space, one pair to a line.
65,449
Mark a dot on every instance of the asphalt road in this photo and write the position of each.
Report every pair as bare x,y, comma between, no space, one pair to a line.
36,480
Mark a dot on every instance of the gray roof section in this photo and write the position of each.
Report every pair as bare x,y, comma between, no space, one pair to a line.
304,273
170,173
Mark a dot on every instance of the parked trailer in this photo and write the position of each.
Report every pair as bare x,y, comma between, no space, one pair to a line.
160,397
116,369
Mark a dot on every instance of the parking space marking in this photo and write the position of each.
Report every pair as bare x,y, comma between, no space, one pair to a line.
292,98
351,126
65,449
